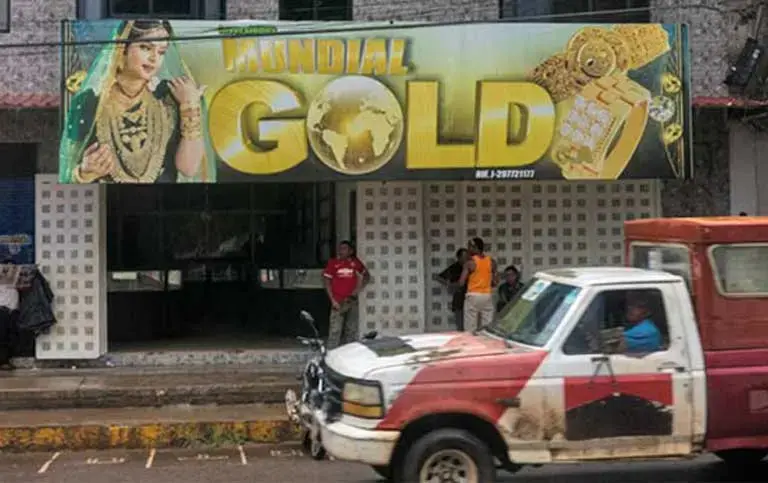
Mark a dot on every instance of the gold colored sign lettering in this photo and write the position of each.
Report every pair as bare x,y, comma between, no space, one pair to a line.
330,56
245,133
372,56
527,106
524,105
421,135
250,132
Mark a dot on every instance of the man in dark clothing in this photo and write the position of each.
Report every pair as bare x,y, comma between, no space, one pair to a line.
450,279
9,309
509,288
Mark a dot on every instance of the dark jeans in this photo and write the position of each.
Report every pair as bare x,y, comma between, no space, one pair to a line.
7,334
458,317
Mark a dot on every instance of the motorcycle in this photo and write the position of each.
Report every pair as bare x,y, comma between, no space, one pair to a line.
301,408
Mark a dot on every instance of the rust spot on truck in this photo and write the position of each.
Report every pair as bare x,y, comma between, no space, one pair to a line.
432,355
530,424
625,448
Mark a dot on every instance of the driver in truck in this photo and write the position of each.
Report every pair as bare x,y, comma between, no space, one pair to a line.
641,335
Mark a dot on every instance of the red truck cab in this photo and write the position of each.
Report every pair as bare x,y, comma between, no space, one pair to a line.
724,261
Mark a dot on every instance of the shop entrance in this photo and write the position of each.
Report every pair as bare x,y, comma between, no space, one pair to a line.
216,267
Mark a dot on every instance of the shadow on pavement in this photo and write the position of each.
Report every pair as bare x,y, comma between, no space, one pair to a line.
668,472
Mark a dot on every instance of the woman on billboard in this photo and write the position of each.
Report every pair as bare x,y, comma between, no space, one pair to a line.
139,116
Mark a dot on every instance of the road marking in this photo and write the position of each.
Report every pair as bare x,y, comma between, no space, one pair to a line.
243,458
150,458
203,457
48,463
111,461
285,453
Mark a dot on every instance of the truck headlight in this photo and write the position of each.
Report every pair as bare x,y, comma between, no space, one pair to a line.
362,400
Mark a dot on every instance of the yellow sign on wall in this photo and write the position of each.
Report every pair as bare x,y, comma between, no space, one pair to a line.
206,102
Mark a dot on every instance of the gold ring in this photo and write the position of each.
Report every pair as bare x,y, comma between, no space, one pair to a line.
600,128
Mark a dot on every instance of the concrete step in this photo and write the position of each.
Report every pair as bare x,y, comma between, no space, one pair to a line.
125,387
172,426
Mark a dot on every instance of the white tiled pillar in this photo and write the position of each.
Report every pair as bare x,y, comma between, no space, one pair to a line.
390,240
70,239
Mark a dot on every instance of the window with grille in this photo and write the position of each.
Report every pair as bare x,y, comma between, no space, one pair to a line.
581,11
325,10
5,16
169,9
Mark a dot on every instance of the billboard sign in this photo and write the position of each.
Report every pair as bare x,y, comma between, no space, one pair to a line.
201,101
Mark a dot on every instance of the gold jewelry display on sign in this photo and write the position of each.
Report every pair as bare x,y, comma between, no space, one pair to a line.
140,135
602,113
79,177
602,128
191,121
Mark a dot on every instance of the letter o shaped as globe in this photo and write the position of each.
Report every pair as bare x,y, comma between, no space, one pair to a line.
355,125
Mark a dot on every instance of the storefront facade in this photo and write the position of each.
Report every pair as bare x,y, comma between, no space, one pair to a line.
408,232
530,223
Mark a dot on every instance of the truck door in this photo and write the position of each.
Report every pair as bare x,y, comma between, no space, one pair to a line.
631,404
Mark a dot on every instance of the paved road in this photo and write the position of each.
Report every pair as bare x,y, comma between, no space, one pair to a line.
278,464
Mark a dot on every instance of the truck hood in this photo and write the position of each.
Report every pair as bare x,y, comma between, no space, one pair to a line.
359,359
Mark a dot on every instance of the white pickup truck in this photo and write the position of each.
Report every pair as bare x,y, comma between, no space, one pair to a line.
585,364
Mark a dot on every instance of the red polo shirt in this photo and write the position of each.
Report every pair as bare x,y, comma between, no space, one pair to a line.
343,276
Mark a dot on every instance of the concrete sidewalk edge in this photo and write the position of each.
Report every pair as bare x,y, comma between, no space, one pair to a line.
85,436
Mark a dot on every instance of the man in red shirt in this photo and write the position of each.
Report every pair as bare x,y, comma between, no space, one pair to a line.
345,276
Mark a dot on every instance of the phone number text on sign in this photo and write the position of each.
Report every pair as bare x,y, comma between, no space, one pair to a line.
505,174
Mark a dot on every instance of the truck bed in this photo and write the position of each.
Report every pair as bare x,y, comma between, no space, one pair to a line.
737,399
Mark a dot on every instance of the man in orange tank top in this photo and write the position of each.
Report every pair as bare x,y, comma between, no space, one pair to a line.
481,277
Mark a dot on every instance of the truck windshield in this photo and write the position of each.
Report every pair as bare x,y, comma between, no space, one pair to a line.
532,317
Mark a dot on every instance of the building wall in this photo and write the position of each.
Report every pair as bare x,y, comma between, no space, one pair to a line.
716,37
253,9
33,70
426,10
39,126
708,193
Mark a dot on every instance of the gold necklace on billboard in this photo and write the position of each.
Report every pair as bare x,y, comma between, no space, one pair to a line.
139,131
601,112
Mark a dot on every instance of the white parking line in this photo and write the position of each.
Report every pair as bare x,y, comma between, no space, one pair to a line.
150,458
48,463
202,457
111,461
243,458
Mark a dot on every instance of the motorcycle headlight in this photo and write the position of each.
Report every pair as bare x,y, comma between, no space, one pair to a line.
362,400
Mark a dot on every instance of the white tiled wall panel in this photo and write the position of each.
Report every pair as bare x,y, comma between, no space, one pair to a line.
390,240
536,226
70,251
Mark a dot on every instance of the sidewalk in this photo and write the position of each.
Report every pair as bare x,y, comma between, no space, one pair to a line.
144,387
60,409
190,426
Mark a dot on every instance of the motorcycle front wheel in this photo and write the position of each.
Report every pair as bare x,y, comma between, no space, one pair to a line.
313,446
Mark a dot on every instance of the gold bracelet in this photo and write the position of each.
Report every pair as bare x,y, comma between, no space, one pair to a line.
648,42
191,128
190,106
191,121
79,177
596,52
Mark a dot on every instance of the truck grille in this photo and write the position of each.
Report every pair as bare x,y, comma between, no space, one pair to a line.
334,386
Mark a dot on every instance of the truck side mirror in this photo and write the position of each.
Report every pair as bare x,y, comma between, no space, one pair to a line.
612,341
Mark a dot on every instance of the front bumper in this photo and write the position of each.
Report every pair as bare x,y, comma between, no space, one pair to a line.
350,443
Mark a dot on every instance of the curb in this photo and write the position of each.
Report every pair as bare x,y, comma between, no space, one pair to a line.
120,397
146,435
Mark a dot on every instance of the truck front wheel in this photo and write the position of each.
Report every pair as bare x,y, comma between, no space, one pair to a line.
449,455
741,457
384,471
